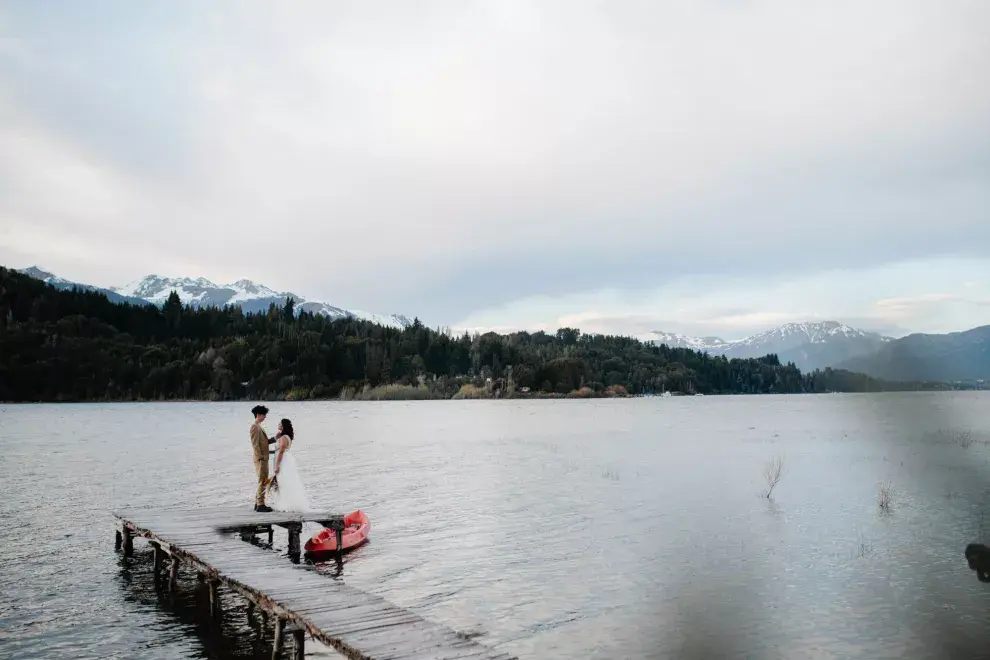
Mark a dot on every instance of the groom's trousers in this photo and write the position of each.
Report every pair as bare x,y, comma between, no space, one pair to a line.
261,467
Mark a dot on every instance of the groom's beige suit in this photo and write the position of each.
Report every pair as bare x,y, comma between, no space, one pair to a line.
259,443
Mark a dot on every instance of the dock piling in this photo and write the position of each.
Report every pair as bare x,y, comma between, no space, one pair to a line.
279,633
298,640
159,556
126,541
337,525
294,531
214,598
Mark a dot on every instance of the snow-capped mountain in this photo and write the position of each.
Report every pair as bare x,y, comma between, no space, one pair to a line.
249,296
793,335
156,289
61,283
46,277
201,292
713,345
809,345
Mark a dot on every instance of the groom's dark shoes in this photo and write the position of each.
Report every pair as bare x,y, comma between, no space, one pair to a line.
262,508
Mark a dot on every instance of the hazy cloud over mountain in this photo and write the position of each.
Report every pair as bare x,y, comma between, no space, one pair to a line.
708,167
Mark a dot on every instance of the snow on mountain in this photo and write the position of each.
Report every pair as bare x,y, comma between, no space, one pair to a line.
792,335
201,292
61,283
248,290
45,276
811,345
710,344
395,320
156,289
249,296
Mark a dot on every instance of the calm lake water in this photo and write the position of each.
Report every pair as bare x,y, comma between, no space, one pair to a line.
552,529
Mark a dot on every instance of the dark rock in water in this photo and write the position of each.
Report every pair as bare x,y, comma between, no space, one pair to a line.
978,558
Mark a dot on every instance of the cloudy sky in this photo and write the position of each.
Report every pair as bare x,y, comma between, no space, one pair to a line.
710,167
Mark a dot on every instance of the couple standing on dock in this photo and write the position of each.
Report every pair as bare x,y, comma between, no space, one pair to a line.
284,488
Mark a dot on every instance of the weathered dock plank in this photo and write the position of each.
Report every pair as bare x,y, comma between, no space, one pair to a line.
356,623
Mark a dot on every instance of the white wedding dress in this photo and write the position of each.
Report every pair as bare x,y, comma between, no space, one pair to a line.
290,494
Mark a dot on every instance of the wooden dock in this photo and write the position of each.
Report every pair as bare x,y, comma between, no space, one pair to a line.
299,601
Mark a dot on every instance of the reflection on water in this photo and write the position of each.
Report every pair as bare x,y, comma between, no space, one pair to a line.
552,529
232,634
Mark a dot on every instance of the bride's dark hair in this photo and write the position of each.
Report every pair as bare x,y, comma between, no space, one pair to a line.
287,429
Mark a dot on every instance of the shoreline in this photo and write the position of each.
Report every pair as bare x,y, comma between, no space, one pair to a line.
544,397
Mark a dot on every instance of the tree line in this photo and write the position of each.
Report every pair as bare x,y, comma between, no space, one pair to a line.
75,345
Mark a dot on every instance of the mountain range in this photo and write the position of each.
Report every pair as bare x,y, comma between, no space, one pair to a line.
808,345
957,356
953,357
201,292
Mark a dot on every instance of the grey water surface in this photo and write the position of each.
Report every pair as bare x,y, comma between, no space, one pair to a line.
550,529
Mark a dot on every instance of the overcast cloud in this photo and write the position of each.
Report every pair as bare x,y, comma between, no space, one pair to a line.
706,167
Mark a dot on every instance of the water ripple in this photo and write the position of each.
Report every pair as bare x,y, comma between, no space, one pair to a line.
552,529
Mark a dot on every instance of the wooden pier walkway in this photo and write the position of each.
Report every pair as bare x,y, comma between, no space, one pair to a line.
355,623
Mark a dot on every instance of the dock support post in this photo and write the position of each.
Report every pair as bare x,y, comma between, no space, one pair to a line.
158,554
298,641
294,532
271,535
337,525
173,573
127,541
279,633
214,598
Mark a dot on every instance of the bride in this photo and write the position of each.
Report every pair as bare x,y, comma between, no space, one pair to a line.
285,491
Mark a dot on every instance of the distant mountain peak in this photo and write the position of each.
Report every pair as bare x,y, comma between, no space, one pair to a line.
814,332
202,292
61,283
809,344
40,274
687,341
156,289
247,294
33,270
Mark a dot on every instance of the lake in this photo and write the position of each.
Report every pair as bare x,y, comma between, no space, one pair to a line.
552,529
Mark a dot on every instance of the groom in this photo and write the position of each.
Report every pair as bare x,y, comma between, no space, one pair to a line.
259,443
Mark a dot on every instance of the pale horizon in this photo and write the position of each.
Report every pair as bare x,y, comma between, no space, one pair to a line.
589,322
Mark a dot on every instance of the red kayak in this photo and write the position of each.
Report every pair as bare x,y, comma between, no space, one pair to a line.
356,530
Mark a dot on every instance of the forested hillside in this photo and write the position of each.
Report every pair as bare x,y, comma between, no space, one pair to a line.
58,345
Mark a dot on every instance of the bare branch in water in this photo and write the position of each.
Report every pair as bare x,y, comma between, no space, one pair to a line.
885,497
772,472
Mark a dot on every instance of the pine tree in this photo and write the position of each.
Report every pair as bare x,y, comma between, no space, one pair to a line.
172,310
